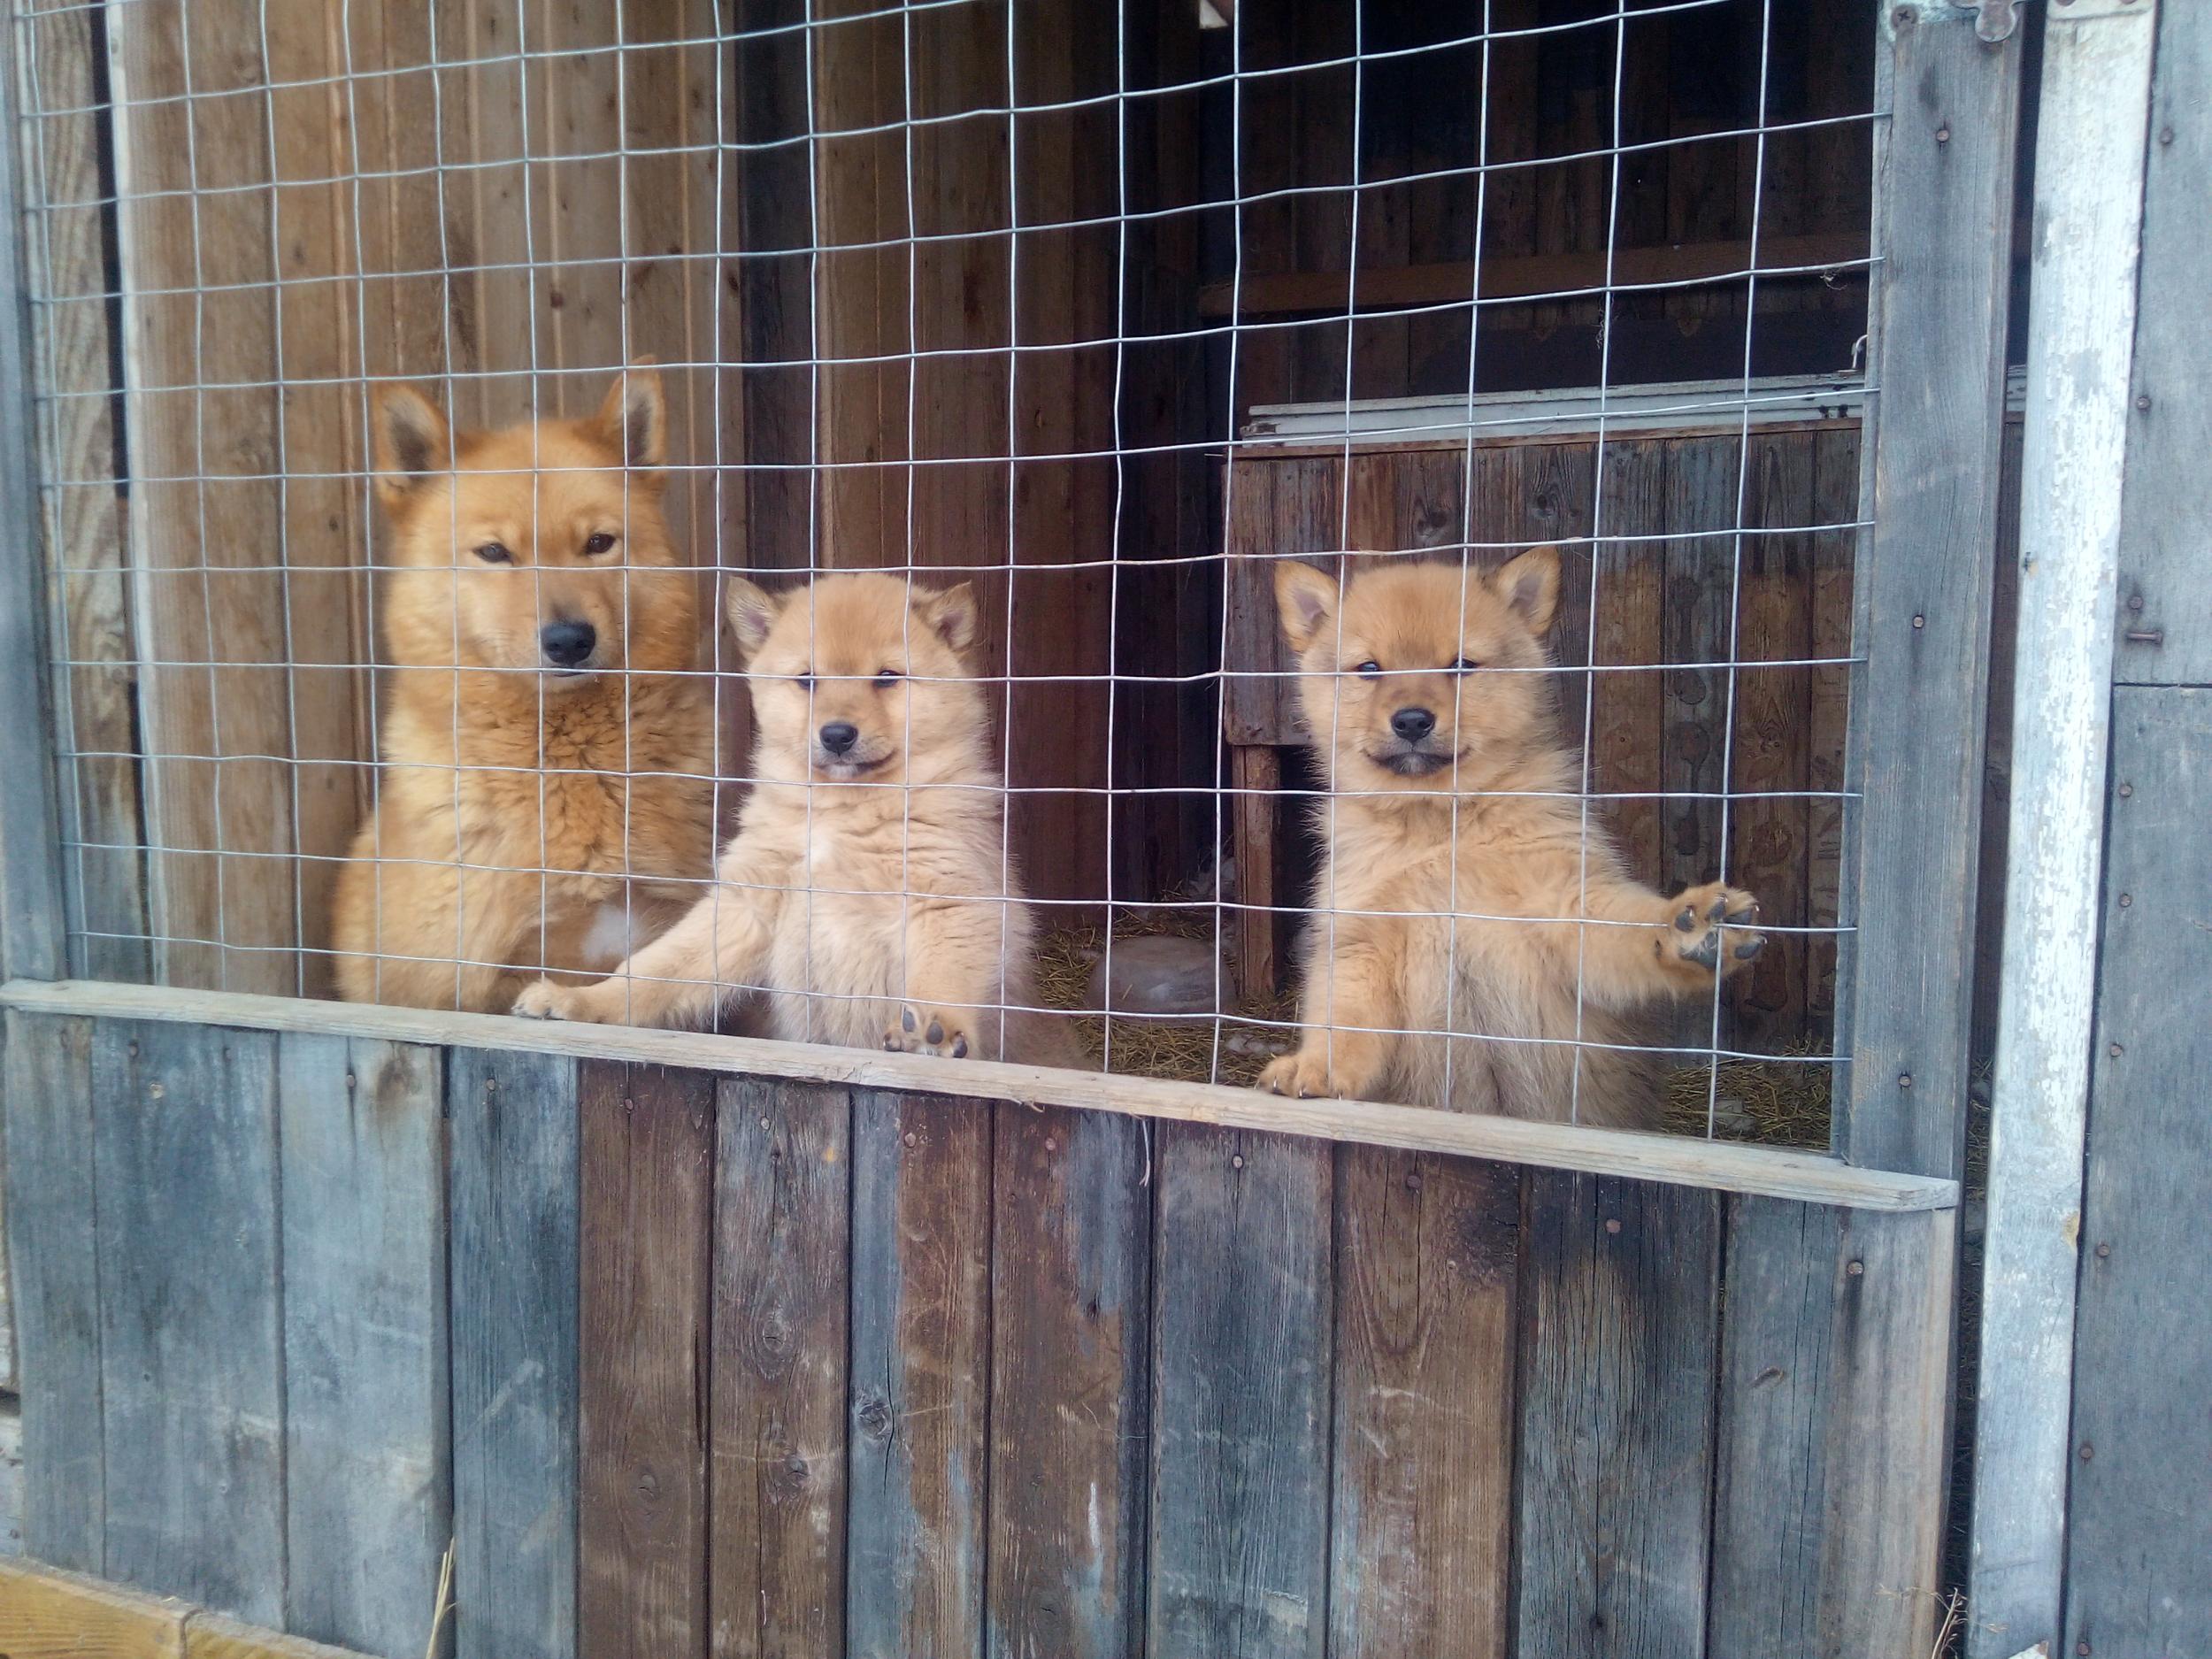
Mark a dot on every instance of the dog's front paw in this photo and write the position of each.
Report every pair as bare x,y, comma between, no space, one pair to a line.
925,1030
1714,929
1305,1075
544,1001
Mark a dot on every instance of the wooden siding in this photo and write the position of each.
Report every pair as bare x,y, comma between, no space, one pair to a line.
758,1366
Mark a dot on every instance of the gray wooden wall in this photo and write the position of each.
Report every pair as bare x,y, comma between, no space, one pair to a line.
689,1364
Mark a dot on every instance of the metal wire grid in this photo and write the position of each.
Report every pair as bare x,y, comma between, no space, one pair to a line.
61,287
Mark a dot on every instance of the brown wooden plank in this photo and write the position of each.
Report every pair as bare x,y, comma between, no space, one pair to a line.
921,1251
1701,496
86,575
48,1614
1628,585
211,1636
783,1193
1769,731
1071,1324
1834,1393
1256,771
1422,1517
1619,1340
1835,501
647,1179
1252,695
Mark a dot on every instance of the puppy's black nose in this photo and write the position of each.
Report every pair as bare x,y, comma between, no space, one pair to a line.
839,736
1413,724
566,644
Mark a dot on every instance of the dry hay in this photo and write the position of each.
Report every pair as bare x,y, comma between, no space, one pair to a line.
1782,1102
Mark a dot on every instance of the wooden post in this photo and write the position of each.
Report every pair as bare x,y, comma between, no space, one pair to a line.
31,927
2089,210
1257,776
1943,183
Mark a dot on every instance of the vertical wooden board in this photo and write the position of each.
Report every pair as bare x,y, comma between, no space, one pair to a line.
1835,501
191,1345
86,585
644,1246
1241,1370
1421,1522
2168,497
1938,335
1071,1272
2137,1533
1834,1390
1701,494
368,1494
1627,586
921,1247
1619,1339
511,1193
782,1217
200,358
1256,772
50,1123
1772,712
1252,695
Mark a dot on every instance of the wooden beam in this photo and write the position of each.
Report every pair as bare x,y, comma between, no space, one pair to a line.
1673,1159
48,1614
1526,276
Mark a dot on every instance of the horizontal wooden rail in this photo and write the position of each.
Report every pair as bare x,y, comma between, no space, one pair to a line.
48,1614
1767,1171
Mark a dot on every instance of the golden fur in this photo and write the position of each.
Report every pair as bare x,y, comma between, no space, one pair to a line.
1479,818
866,893
499,762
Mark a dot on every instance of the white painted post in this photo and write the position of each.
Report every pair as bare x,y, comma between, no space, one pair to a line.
2093,118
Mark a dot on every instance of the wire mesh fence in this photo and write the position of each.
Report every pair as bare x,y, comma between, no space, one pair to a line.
837,521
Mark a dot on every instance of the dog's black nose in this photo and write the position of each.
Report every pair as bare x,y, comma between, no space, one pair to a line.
839,735
566,644
1413,724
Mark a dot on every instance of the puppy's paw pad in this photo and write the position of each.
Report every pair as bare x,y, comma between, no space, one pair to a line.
928,1030
543,1001
1716,928
1299,1076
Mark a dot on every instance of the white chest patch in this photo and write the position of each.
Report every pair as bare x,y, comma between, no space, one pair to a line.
611,937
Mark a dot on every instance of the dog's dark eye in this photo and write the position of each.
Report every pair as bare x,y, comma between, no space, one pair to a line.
598,543
495,553
1368,671
886,677
1464,664
804,682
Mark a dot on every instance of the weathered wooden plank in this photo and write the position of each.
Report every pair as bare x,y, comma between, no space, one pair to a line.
52,1250
1256,772
1835,501
1835,1383
645,1233
782,1217
1619,1339
1422,1517
2167,497
921,1246
11,1476
2138,1532
511,1193
1070,1273
1938,330
1628,587
1816,1177
368,1498
211,1636
1700,497
84,582
50,1615
191,1341
1240,1366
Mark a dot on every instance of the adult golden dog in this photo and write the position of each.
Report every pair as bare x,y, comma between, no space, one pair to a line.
548,778
1475,940
866,895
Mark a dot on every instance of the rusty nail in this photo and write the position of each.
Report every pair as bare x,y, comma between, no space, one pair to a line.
2103,1251
2146,636
1612,1224
2126,899
2135,601
1852,1270
2142,400
2088,1451
2127,789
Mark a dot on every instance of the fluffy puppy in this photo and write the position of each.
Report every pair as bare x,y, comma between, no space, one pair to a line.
548,760
866,894
1465,892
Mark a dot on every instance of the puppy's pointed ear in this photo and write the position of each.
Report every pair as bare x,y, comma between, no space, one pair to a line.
633,419
952,612
412,443
750,612
1306,599
1530,585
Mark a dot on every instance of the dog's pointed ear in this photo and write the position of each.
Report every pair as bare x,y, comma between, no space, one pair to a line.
1306,598
1529,584
633,418
952,612
750,612
412,443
